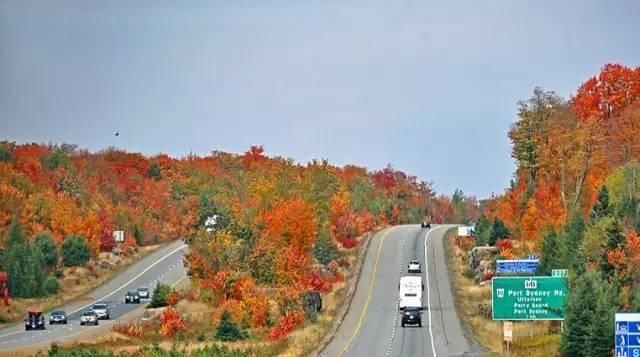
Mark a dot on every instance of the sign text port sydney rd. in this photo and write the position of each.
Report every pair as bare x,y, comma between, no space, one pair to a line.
528,298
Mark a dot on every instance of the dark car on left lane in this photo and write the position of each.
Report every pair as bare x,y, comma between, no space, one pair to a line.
58,317
132,297
411,316
34,320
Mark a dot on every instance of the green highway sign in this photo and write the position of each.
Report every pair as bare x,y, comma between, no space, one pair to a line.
559,273
528,298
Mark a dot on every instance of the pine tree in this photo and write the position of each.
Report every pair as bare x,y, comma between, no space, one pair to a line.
553,253
48,249
498,231
23,263
602,207
227,329
601,329
574,234
579,313
325,249
482,230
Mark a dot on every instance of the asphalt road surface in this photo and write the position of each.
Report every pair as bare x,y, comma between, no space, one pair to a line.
164,265
372,325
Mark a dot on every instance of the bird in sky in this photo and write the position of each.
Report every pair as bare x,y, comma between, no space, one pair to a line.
117,134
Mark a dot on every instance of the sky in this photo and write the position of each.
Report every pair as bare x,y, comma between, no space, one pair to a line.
428,87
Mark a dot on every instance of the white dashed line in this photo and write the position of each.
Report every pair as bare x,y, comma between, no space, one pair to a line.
426,263
395,320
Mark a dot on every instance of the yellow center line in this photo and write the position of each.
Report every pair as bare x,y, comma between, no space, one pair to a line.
366,305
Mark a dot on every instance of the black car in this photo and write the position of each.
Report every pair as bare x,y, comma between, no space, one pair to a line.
34,320
132,297
411,316
58,317
143,293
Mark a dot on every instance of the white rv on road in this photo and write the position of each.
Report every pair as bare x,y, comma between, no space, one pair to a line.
410,290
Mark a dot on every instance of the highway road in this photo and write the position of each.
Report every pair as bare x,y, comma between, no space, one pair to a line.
164,265
372,325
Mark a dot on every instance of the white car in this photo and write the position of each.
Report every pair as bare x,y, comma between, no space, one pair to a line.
89,317
414,267
102,310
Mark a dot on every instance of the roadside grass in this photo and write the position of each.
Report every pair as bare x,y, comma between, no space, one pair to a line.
75,284
529,338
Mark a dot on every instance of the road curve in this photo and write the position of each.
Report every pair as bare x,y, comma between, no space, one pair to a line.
372,326
164,265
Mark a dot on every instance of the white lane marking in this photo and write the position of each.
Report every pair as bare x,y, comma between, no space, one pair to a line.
132,279
11,334
395,320
426,263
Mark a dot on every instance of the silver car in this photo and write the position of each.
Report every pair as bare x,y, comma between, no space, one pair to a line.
89,318
143,293
102,310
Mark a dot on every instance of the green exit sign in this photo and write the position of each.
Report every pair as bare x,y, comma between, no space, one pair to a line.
528,298
559,273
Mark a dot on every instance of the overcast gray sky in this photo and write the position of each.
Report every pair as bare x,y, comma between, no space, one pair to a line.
430,87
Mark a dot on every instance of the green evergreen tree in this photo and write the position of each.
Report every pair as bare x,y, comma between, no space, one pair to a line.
138,235
325,249
154,171
75,251
44,242
553,253
51,285
23,263
482,230
159,297
227,329
601,324
601,207
573,236
581,308
34,269
498,231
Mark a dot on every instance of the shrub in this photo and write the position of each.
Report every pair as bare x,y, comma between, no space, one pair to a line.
75,251
171,322
227,329
173,298
159,297
51,285
286,324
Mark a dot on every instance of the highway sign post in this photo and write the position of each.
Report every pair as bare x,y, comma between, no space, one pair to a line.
528,298
627,335
516,267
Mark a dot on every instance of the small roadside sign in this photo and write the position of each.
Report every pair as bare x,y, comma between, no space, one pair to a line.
507,331
118,236
559,273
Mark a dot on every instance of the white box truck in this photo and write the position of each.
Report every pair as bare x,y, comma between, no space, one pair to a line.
410,291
